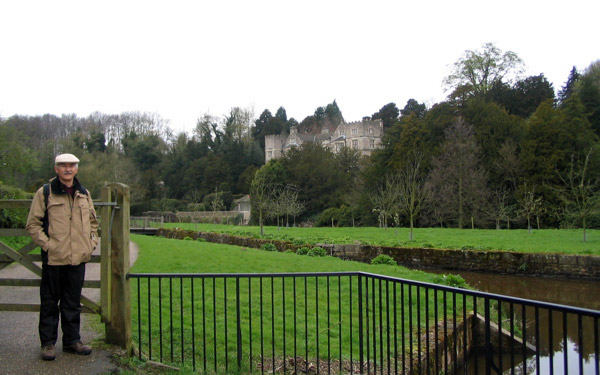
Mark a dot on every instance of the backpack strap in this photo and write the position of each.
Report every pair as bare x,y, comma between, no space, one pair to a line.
45,219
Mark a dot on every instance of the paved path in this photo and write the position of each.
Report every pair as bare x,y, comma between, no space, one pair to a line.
19,340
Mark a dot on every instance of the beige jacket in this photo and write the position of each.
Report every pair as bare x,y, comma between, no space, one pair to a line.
73,228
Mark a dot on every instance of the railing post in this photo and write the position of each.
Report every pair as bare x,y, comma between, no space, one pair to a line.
360,324
118,331
105,213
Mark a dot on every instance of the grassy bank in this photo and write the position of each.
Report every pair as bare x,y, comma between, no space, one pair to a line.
566,241
268,317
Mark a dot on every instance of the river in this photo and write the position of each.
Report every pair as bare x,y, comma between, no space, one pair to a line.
572,292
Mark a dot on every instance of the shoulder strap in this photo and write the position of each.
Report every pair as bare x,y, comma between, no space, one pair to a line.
45,219
46,194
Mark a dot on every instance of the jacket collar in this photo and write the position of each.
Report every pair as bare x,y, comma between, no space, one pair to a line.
58,188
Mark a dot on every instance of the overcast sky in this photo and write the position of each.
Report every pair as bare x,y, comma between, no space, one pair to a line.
182,59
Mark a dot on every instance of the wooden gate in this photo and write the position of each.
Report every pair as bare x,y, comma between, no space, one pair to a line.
114,307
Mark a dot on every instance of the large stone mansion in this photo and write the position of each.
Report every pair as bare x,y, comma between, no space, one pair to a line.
364,136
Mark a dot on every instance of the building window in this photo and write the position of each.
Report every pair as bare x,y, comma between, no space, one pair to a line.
270,154
371,143
338,146
355,143
370,130
354,131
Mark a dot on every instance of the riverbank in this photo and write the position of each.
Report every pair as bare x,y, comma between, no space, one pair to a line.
561,241
491,261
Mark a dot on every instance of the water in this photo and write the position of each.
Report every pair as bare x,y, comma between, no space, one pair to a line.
580,293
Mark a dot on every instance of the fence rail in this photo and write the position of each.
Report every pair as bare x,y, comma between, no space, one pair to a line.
354,322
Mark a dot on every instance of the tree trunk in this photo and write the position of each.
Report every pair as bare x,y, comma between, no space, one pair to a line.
538,222
472,222
460,203
260,221
584,233
528,224
411,228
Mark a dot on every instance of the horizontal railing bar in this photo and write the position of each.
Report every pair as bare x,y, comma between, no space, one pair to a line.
26,203
30,307
13,232
38,258
15,203
473,293
37,282
238,275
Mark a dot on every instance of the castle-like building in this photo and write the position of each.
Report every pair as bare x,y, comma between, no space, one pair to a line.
364,136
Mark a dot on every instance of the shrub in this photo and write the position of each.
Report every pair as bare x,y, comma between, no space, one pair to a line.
383,259
200,239
196,207
317,252
342,217
188,238
303,251
451,280
13,217
268,247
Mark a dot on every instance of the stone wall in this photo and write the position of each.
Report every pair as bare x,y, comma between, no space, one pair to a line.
505,262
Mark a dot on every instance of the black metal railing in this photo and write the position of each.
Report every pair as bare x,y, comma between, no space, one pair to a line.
354,322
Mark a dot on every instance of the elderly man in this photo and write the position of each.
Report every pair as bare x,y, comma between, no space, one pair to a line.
62,221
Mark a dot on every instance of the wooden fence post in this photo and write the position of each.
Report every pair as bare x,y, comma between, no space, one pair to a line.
118,330
106,211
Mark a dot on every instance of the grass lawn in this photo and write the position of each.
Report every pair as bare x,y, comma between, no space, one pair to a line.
201,313
567,241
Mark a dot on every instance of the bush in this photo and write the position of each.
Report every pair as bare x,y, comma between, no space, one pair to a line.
200,239
384,259
342,217
317,252
268,247
196,207
303,251
451,280
13,217
167,205
224,196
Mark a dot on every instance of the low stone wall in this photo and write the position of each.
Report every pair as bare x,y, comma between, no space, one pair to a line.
225,239
506,262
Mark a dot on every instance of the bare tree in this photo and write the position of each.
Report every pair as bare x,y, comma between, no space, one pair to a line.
411,189
385,200
457,181
290,206
498,207
530,205
261,193
217,204
580,189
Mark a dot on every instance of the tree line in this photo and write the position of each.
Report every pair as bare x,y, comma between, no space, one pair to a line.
501,151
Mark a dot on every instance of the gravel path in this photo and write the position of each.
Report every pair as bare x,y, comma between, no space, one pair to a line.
19,340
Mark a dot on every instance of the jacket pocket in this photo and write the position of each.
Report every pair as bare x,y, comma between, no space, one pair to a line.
58,218
84,209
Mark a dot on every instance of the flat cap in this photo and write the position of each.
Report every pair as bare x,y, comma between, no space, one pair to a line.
66,158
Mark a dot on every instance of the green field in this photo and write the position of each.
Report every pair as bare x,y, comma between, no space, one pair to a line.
215,298
567,241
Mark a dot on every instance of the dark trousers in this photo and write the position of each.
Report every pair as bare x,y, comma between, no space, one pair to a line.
59,295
